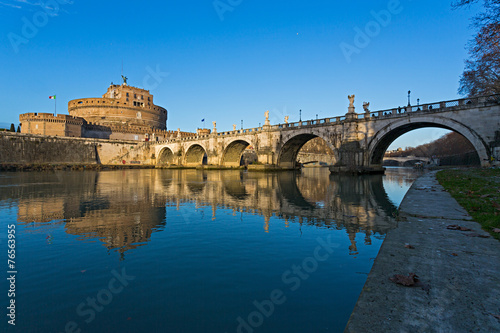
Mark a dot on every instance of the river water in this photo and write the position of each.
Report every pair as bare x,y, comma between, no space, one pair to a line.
192,251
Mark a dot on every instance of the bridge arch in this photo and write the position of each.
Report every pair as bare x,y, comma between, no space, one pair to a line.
287,156
384,137
166,156
233,152
195,155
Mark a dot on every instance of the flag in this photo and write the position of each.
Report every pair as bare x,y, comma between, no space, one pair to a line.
52,97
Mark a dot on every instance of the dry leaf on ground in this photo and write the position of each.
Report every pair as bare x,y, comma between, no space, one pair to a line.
407,281
408,246
477,235
457,227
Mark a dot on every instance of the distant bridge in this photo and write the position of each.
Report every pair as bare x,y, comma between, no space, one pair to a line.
358,141
408,160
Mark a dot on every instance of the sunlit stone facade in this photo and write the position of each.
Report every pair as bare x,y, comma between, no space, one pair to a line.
123,113
121,105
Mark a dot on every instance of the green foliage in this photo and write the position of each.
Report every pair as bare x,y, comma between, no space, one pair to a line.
478,191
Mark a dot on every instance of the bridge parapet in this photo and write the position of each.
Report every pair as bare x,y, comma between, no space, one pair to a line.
457,104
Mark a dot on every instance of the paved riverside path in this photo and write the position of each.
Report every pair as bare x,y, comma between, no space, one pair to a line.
463,273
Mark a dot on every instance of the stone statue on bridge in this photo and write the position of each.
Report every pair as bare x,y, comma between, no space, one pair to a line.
215,126
351,104
351,100
286,119
366,105
234,127
267,123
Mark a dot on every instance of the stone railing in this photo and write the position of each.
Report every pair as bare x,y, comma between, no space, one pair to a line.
463,103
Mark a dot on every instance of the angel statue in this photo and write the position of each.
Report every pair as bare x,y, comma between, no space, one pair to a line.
351,100
366,105
125,79
286,119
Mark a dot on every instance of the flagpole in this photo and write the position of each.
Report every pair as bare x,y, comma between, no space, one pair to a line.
55,105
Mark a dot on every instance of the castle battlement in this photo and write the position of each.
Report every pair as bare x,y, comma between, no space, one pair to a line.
49,117
123,112
120,104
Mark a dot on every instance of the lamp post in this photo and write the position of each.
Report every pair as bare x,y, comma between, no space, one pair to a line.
300,115
418,101
409,92
241,123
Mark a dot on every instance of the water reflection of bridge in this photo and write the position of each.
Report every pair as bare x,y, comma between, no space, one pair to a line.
123,208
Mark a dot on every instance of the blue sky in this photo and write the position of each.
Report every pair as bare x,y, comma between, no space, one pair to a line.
231,60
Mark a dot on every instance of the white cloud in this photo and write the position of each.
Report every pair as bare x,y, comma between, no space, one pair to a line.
10,5
30,5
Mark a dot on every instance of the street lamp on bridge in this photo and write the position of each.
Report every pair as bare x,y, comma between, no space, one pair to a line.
300,115
409,92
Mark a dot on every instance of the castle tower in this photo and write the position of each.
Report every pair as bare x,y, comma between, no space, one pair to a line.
121,105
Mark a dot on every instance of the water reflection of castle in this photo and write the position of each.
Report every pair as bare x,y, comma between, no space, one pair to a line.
123,208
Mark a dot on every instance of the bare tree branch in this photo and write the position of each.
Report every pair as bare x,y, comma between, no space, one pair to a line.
482,69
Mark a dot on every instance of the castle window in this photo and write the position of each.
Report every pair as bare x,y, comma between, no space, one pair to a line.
135,95
149,99
142,97
127,95
80,102
127,99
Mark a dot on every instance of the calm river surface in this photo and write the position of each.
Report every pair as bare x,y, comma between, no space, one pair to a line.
192,251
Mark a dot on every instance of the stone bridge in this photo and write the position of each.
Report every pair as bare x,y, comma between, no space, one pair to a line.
358,140
407,160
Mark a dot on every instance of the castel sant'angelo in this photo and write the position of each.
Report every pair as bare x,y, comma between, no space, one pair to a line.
123,113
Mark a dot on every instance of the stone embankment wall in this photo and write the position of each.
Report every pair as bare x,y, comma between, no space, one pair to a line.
24,149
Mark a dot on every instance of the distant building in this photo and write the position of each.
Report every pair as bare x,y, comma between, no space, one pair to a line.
123,113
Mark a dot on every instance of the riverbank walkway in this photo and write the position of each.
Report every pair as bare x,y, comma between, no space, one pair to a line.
458,271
